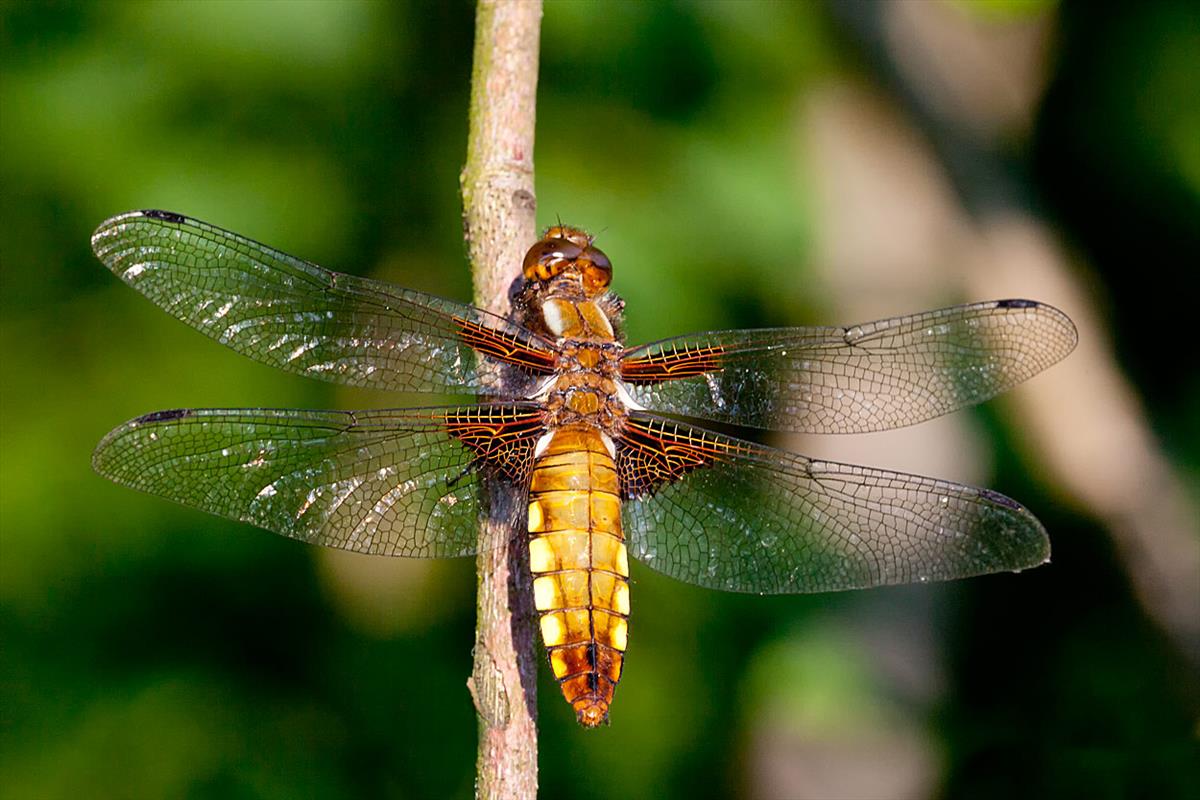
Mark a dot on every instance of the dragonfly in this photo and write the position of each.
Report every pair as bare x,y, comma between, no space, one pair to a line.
589,435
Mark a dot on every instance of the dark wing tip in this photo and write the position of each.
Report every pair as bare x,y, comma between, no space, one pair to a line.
1017,303
989,495
163,416
166,216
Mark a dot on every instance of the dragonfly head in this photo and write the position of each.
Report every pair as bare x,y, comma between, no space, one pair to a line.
565,250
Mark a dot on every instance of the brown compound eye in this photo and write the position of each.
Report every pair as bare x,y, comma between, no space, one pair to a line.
597,271
549,257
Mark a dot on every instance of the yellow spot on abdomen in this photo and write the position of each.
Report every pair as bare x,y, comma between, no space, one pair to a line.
619,634
546,593
558,663
554,632
610,629
621,598
542,557
536,517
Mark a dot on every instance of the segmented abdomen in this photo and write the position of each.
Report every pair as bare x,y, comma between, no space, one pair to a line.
581,568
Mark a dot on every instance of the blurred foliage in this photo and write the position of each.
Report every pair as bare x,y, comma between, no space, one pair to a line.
150,651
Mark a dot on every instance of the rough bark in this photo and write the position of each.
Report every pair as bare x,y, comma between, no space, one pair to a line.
499,225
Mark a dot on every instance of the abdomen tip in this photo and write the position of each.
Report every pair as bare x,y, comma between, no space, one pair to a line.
593,715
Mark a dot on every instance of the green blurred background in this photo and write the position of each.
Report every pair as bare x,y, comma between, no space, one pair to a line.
737,161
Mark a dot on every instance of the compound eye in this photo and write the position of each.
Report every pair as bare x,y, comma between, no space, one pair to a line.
597,275
549,257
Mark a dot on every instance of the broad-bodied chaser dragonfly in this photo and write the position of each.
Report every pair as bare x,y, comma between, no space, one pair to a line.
572,425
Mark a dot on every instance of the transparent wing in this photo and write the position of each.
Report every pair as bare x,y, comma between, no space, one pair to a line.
727,514
869,377
397,483
304,319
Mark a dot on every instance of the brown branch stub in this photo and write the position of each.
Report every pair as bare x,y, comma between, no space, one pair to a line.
499,224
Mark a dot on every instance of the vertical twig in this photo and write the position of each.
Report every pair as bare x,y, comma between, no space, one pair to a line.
498,220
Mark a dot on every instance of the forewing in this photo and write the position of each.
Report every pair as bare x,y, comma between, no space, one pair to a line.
308,320
728,514
869,377
397,483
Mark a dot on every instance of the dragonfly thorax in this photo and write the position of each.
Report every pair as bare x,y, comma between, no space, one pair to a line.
585,390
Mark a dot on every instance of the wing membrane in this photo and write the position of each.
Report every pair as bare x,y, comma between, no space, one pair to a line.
398,483
869,377
727,514
308,320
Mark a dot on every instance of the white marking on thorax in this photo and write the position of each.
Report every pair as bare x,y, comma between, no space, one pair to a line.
626,399
542,444
609,445
552,314
544,388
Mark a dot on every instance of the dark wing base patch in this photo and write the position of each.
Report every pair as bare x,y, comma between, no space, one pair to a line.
672,363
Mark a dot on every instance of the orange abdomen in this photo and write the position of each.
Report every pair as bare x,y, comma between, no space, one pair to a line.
581,568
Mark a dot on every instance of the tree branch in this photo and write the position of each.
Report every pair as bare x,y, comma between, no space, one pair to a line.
499,224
